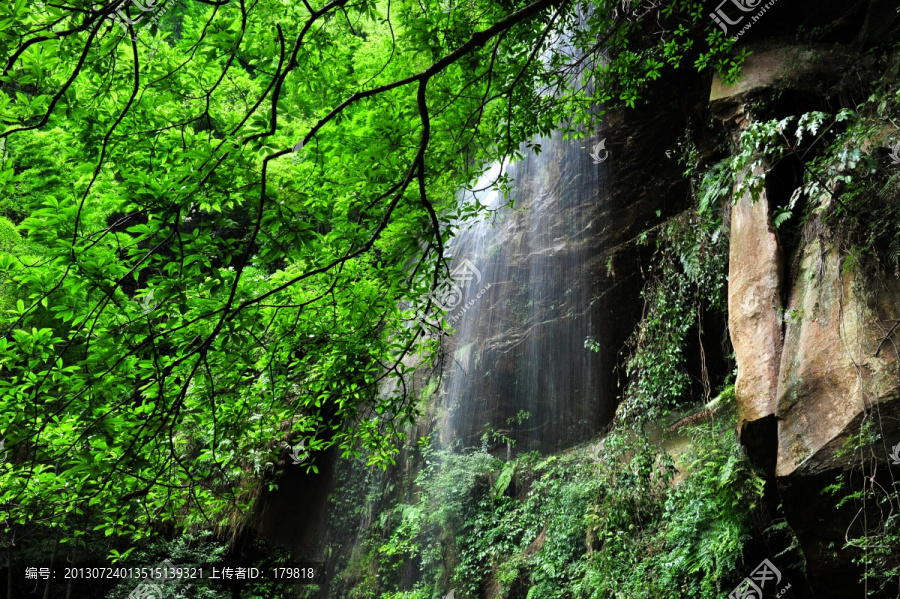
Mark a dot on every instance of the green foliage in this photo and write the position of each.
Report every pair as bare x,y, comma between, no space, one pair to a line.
685,540
688,274
643,44
872,491
771,141
9,237
9,241
503,479
600,522
707,513
493,437
844,182
714,188
657,379
592,344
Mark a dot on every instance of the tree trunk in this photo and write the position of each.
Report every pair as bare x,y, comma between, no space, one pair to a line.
52,564
69,586
9,574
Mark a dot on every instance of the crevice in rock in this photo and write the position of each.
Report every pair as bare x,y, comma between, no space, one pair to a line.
707,359
817,520
760,439
790,102
782,180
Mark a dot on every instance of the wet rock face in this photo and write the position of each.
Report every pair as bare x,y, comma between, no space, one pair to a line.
839,366
561,267
773,67
819,358
532,301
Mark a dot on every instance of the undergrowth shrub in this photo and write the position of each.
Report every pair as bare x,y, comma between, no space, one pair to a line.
849,187
604,521
872,490
9,237
687,276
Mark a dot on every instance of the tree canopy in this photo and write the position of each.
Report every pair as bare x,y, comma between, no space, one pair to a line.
223,221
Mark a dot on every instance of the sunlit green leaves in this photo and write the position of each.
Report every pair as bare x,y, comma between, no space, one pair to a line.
182,305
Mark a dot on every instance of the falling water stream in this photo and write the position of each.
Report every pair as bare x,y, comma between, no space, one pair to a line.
528,307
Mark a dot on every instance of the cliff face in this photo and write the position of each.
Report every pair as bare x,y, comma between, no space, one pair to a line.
813,287
813,324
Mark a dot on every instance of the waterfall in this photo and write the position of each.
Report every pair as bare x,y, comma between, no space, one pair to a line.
528,301
529,287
